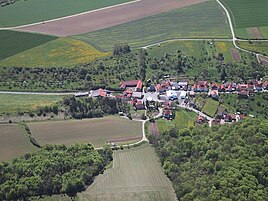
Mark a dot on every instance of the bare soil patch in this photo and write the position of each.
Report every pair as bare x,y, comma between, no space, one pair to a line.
154,129
124,139
264,60
236,55
110,17
254,32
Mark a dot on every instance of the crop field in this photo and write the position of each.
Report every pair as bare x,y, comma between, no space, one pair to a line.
96,131
13,103
256,46
136,175
247,15
57,53
14,142
196,21
14,42
210,107
182,119
40,10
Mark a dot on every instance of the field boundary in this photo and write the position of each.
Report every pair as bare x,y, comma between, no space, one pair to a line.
69,16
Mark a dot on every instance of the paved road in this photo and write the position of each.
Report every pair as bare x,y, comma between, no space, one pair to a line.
37,93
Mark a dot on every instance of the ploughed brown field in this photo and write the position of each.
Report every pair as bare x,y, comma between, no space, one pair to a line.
109,17
264,60
95,131
236,55
254,32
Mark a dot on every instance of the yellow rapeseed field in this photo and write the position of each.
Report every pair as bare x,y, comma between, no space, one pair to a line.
58,53
222,46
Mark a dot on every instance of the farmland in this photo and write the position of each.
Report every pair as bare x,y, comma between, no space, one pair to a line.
248,14
256,46
57,53
14,42
40,10
183,22
136,175
96,131
210,107
13,103
14,143
182,119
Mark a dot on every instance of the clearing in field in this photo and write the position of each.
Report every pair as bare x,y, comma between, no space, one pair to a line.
183,119
264,60
96,131
14,103
31,11
236,55
256,46
211,107
14,42
14,142
254,32
136,175
56,53
197,21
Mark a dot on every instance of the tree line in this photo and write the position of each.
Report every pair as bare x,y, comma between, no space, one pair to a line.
227,162
54,169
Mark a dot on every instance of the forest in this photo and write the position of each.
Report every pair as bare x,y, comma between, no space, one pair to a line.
227,162
54,169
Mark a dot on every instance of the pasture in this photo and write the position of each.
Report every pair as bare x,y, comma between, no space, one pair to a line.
183,119
41,10
57,53
210,108
256,46
14,42
136,175
14,103
14,142
96,131
196,21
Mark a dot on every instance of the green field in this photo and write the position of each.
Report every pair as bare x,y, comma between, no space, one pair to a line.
197,21
248,13
30,11
14,42
57,53
13,103
136,175
182,119
95,131
210,108
14,142
256,46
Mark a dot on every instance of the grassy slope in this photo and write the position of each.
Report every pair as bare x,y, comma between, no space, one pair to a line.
182,119
258,46
13,42
136,175
95,131
247,13
56,53
202,20
39,10
11,103
14,143
210,108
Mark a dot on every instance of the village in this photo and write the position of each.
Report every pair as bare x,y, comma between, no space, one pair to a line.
169,94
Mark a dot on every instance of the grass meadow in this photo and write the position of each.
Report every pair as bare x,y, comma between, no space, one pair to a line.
57,53
13,103
210,108
182,119
248,13
96,131
14,42
14,142
26,12
136,175
196,21
256,46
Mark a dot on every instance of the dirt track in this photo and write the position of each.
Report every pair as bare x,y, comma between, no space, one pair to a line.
108,17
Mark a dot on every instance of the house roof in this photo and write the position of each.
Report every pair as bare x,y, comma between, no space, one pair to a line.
98,92
131,83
